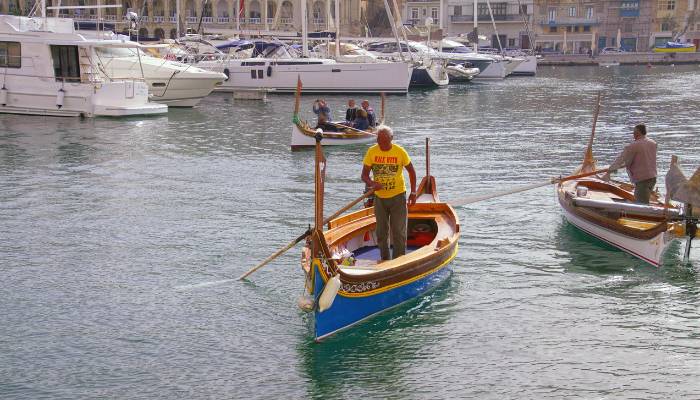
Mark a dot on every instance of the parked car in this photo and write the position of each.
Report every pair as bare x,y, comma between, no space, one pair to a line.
612,50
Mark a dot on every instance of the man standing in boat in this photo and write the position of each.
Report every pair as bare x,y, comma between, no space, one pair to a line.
387,162
639,157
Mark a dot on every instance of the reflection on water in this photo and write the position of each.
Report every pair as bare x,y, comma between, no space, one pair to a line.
377,351
119,240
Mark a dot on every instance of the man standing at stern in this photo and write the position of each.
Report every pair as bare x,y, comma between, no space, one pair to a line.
639,157
387,161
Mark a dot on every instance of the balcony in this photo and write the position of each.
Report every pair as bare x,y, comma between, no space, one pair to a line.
286,21
223,20
192,20
496,17
158,19
172,20
568,21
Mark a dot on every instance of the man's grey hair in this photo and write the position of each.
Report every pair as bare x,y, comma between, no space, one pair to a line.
387,129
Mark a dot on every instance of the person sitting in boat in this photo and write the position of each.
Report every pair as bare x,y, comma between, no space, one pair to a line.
370,113
639,157
325,125
361,122
387,161
320,107
350,113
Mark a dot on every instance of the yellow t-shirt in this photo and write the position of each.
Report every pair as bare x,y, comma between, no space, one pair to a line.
387,169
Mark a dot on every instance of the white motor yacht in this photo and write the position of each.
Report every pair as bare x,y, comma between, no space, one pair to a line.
47,69
431,68
169,82
279,67
491,67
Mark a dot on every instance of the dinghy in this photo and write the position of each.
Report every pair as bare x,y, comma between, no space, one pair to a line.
345,282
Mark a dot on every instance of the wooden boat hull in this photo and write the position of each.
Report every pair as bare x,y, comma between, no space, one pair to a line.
648,244
371,288
303,137
348,311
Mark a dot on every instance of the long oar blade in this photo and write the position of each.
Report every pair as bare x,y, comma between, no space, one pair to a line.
304,235
276,254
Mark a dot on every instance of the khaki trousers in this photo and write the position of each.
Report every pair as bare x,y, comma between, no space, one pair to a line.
643,189
392,215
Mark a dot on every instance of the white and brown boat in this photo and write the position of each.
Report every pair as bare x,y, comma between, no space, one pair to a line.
345,281
607,210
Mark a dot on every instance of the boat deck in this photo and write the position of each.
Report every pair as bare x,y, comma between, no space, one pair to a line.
366,260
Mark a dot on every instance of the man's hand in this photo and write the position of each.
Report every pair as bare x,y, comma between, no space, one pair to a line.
412,199
376,186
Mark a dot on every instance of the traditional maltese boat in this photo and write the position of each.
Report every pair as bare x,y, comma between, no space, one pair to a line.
346,283
303,135
607,210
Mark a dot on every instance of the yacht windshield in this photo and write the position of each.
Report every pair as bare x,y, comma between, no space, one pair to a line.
118,52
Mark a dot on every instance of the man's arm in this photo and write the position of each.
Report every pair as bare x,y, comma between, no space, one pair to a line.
367,180
412,179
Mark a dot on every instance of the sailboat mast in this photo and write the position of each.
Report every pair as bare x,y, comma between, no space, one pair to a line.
304,30
337,29
476,29
393,28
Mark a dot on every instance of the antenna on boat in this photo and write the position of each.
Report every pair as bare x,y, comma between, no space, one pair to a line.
588,160
427,164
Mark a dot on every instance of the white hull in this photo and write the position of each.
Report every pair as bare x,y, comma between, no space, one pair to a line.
527,67
299,140
281,75
171,83
650,251
36,96
496,70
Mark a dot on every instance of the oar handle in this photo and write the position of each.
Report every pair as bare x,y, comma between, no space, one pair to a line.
350,127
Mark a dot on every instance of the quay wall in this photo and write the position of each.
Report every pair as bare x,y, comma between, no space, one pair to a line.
622,58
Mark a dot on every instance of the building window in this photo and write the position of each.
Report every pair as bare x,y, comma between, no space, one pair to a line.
511,42
552,14
434,14
628,27
667,5
665,26
498,9
572,11
523,9
414,13
552,29
425,11
589,12
586,28
568,29
458,10
10,55
576,28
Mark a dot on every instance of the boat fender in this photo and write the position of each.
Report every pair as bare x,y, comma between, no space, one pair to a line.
227,73
59,98
328,295
269,71
3,96
306,303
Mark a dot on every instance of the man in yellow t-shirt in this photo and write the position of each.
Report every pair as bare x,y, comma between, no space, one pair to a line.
387,161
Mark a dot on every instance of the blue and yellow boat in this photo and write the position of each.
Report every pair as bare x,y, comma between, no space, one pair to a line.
346,284
675,47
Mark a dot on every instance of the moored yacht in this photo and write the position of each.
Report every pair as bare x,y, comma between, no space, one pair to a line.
430,68
48,69
170,82
279,67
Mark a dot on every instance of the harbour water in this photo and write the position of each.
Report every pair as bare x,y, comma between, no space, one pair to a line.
120,240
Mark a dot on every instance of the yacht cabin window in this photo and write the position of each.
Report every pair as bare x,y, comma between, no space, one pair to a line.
10,55
66,65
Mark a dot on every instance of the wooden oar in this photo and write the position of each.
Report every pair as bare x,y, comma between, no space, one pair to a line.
350,127
304,235
487,196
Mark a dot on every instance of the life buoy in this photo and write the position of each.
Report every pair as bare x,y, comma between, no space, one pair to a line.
269,71
227,73
59,97
3,96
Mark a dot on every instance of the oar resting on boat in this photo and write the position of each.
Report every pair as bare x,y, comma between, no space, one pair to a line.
351,128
